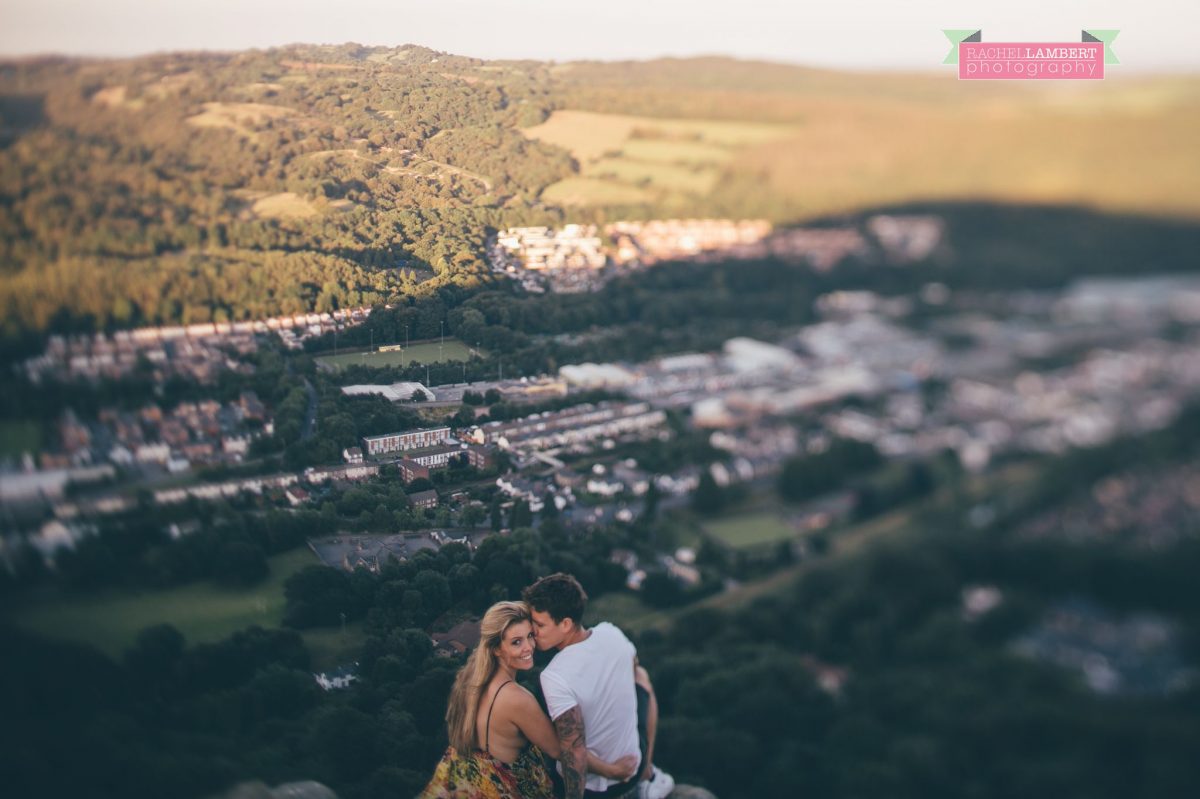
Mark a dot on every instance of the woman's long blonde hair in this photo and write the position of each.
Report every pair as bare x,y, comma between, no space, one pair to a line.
475,674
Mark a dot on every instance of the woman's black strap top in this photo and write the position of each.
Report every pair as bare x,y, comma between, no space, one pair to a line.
487,730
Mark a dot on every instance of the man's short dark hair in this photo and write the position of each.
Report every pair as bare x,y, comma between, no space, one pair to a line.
560,595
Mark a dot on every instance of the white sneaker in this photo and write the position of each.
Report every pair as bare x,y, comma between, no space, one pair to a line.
659,786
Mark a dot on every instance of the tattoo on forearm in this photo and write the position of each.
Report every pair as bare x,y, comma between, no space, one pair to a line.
569,727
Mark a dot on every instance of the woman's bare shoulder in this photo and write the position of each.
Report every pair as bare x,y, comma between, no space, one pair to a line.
517,697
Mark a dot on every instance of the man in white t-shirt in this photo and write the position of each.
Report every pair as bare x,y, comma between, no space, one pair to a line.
594,691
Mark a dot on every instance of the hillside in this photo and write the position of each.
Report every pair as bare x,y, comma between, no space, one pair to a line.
189,187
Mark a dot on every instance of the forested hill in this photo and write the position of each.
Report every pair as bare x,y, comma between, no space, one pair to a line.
189,187
126,185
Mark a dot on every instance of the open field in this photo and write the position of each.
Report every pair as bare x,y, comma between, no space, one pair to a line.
260,87
1025,147
317,66
241,118
18,436
625,610
631,159
201,611
662,175
747,532
593,191
117,97
669,151
425,352
1012,151
590,135
285,205
330,647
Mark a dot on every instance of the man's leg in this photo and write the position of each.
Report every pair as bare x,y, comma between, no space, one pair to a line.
655,783
647,718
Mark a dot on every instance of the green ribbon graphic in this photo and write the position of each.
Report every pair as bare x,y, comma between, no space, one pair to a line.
957,37
1102,36
1105,36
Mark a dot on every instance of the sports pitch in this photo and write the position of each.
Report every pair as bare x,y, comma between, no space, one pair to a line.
19,436
201,611
747,532
425,352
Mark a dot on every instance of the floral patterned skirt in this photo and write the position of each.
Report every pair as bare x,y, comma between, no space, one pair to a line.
482,776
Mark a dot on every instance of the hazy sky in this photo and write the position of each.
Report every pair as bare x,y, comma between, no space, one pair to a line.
857,34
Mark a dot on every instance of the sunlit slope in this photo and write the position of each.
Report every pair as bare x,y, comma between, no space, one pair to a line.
1120,159
847,141
653,160
189,187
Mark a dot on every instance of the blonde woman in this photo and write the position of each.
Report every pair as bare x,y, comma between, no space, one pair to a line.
497,729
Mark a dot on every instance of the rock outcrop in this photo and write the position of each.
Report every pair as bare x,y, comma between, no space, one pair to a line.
315,790
290,790
690,792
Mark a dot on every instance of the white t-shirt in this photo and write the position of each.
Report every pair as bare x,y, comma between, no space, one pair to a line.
597,675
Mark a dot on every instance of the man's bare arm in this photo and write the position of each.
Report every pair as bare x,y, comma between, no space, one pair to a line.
573,758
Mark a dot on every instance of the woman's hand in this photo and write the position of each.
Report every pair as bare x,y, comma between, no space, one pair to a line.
524,711
620,771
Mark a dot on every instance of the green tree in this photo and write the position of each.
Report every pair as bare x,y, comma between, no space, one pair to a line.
241,563
708,498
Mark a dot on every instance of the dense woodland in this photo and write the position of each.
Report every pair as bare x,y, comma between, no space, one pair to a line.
128,189
190,721
933,704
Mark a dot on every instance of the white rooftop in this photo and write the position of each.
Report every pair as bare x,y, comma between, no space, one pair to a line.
396,392
685,362
596,374
746,355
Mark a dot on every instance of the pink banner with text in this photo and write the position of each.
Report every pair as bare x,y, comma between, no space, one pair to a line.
1031,61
